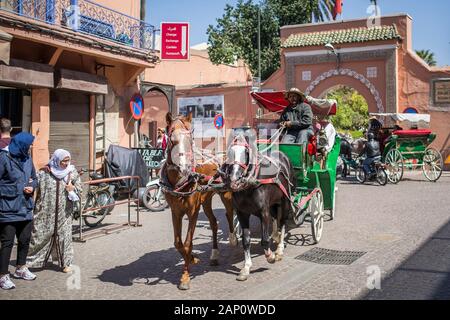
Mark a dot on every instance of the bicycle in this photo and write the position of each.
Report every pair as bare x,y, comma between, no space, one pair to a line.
97,196
378,173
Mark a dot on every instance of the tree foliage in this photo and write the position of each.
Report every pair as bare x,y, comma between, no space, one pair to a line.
352,109
235,36
427,56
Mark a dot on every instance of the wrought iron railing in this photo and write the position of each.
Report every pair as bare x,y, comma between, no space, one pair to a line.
87,17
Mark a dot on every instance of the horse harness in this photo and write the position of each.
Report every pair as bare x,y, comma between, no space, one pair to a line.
186,180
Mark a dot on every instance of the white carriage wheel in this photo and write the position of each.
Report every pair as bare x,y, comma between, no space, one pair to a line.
432,164
316,213
394,165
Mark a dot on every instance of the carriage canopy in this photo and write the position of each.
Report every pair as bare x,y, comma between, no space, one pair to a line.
275,102
419,120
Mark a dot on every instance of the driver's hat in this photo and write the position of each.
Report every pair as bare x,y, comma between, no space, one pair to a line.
296,91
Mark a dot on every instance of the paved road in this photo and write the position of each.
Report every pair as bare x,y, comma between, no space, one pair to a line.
403,228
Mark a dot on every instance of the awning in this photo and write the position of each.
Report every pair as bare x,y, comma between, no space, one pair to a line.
411,117
26,74
275,102
80,81
5,47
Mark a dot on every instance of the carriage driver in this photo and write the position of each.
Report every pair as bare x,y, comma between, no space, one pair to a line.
297,118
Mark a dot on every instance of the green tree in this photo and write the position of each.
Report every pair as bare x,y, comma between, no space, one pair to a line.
235,36
427,56
352,109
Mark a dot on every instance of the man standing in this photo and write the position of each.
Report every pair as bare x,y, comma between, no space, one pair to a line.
297,118
5,132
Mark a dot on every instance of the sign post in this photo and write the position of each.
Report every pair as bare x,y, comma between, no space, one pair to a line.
175,41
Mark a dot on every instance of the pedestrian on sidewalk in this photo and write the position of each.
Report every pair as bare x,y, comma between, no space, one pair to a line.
5,132
17,184
59,187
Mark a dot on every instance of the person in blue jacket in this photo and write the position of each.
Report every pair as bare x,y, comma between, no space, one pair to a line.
17,184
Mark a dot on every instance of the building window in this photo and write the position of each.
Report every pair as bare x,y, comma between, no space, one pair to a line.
306,75
371,72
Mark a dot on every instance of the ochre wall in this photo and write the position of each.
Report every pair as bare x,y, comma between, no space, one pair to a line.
128,7
199,70
40,125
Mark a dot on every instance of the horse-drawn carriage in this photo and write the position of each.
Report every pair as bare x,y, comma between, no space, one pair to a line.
408,148
315,173
303,184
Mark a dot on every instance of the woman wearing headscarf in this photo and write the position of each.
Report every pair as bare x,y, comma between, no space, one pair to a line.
59,187
17,184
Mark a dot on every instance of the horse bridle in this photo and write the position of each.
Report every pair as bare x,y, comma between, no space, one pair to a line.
244,166
184,131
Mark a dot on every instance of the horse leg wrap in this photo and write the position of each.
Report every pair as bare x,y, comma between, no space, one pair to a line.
214,258
233,239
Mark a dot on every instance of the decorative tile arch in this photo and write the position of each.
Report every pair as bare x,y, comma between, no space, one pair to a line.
350,73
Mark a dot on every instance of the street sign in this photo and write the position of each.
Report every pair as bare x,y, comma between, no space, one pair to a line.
175,41
218,121
137,106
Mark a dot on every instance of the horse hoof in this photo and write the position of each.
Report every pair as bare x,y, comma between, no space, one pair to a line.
184,286
213,262
278,257
271,260
241,277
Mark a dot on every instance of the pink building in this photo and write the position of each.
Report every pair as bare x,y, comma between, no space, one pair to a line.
68,70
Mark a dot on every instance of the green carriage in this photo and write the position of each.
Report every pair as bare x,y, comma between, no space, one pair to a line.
315,174
410,148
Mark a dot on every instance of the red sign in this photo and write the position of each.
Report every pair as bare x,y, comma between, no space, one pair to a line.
174,41
218,121
137,106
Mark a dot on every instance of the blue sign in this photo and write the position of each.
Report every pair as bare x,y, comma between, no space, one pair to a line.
410,110
218,121
137,106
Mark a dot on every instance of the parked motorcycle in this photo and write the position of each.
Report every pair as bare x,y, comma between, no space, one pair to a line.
153,197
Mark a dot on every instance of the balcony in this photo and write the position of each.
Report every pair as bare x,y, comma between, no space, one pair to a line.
86,17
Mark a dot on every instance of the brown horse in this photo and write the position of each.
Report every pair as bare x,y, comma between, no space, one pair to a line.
183,181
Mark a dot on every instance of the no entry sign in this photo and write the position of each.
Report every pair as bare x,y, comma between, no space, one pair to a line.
218,121
137,106
175,41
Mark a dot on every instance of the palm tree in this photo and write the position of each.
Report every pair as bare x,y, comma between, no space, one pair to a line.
427,56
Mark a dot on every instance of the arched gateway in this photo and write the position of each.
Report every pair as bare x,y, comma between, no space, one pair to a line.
379,62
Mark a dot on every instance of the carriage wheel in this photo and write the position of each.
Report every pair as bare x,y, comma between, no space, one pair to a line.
316,213
394,166
432,164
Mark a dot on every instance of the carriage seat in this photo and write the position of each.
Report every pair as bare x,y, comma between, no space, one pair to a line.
415,133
